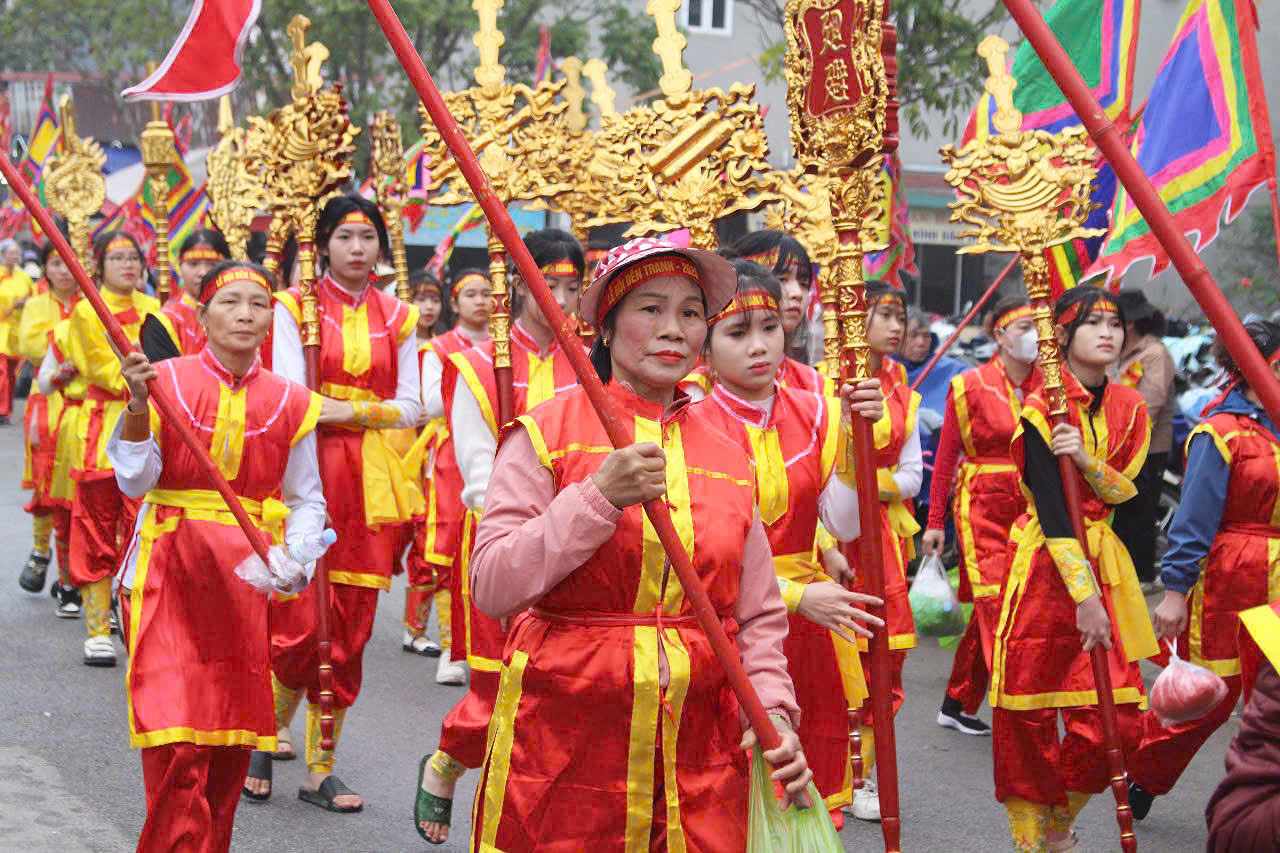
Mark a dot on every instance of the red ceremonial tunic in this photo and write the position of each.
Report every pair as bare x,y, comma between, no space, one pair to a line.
199,668
1242,570
794,454
181,311
1039,661
584,743
535,378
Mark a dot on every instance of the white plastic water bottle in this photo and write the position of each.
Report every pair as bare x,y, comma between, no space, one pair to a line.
313,547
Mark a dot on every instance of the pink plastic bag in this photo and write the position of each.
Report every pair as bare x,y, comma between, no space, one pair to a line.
1185,692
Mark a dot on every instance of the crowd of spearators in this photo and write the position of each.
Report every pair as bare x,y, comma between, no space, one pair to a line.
595,714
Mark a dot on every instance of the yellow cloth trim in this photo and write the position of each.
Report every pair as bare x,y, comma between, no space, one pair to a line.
680,673
538,441
391,495
772,492
410,324
645,705
823,540
291,305
1263,625
653,557
1028,824
208,505
309,420
467,372
357,354
542,380
367,580
202,737
1069,699
887,486
446,766
1140,457
1219,441
227,446
702,472
832,433
965,534
1112,486
321,760
1074,568
791,593
960,404
499,741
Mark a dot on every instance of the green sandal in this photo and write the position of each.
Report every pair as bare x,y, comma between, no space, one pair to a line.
428,807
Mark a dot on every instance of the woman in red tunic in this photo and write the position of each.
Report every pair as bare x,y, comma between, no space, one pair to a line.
193,594
203,249
794,437
614,728
983,408
369,379
1054,611
540,371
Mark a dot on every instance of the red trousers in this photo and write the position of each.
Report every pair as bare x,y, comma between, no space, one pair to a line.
1164,753
102,520
8,378
294,657
971,667
1032,762
465,728
62,543
192,793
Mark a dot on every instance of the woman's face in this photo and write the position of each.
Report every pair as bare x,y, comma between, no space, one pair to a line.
193,273
58,276
474,303
122,270
658,331
1009,338
886,323
745,350
237,318
916,344
794,290
353,252
428,303
1097,340
565,289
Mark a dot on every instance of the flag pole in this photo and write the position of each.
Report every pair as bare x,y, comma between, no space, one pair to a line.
565,330
964,324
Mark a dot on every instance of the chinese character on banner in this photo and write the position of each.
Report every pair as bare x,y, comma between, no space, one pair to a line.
832,30
837,83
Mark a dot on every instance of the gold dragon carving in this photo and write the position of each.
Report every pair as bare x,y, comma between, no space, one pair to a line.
235,190
73,182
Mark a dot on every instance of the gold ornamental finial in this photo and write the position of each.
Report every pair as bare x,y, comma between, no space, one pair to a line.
574,118
669,45
73,181
306,59
602,94
1000,84
490,73
226,118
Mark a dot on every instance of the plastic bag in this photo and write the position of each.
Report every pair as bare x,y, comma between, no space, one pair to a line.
933,602
1185,691
770,829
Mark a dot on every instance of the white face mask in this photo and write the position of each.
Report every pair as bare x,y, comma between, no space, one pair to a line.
1025,347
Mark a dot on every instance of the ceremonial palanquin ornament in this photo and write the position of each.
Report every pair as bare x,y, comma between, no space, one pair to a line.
73,182
1026,191
158,155
840,70
234,188
386,158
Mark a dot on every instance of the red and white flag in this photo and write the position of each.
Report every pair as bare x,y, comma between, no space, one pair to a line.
204,62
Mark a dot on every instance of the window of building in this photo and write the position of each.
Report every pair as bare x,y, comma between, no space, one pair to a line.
708,16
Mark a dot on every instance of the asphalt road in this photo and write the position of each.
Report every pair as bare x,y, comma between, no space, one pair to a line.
69,782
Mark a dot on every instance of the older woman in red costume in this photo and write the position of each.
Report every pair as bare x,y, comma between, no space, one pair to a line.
1054,610
613,727
201,251
194,595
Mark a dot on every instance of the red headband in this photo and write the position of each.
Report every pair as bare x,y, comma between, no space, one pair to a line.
232,276
467,279
743,303
767,259
356,217
561,267
1012,316
1102,305
643,272
119,242
201,253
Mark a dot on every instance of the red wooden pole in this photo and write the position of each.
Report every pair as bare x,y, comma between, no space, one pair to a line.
168,409
566,333
1163,225
964,324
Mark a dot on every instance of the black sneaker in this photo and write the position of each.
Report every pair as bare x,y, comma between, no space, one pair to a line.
1140,800
34,573
951,717
68,598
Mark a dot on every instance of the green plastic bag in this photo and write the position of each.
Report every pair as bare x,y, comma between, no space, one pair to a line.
934,604
796,830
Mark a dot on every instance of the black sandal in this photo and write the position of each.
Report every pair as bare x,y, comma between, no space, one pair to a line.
260,769
330,789
428,807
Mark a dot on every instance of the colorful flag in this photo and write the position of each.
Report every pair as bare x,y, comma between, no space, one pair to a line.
544,55
44,141
473,217
204,62
1204,138
187,208
900,255
1101,37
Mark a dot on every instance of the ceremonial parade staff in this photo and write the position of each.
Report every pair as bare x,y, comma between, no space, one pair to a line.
1052,600
982,412
603,641
369,378
50,517
540,371
1223,558
200,252
101,515
15,288
794,439
194,595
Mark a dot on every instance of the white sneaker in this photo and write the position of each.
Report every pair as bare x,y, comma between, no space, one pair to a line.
866,801
99,651
450,671
422,645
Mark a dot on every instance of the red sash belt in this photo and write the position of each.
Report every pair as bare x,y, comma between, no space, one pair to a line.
101,395
987,460
599,619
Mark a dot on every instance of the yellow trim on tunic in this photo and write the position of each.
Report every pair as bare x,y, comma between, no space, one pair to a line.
1263,625
291,305
772,485
542,380
649,595
499,742
367,580
309,420
680,670
645,705
467,372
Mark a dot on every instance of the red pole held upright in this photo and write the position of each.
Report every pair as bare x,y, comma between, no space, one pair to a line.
964,324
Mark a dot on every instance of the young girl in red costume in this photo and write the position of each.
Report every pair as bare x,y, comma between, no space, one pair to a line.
1054,611
370,383
794,438
193,593
201,251
983,408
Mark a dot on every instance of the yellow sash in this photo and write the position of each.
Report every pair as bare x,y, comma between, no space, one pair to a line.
208,505
391,494
771,473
